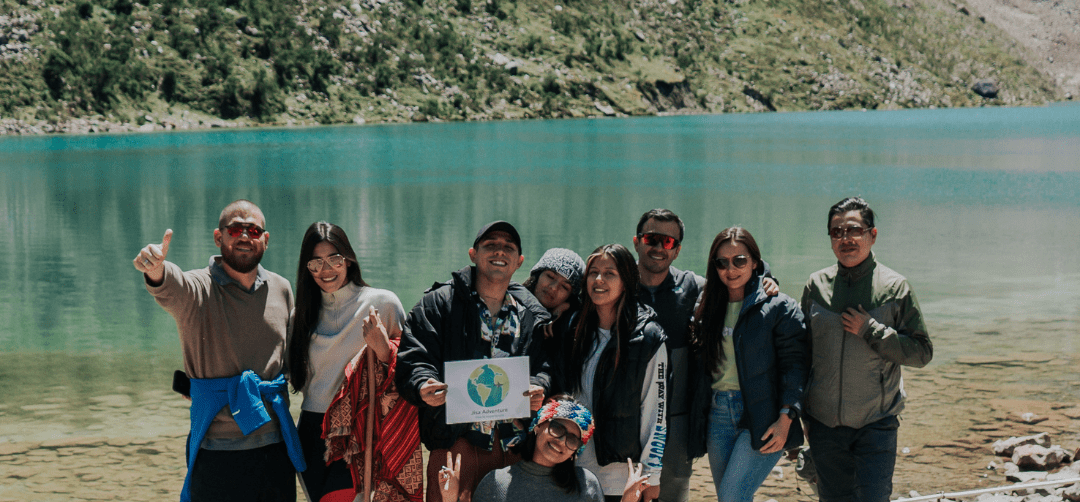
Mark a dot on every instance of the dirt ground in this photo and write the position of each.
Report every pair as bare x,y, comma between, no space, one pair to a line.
1048,29
954,415
955,412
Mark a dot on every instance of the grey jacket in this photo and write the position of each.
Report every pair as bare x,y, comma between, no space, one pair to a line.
855,378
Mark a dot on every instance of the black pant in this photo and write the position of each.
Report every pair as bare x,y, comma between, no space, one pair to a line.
319,478
854,465
260,475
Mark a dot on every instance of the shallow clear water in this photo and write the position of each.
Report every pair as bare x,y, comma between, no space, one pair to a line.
979,208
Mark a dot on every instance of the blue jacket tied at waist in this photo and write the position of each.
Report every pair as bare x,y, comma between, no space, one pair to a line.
244,395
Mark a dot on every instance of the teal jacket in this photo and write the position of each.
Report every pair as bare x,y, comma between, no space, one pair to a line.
855,378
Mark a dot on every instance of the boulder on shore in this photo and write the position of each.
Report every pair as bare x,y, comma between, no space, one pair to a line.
1005,447
1035,457
1071,493
986,88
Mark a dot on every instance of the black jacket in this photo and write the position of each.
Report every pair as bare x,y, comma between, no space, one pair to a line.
559,347
445,326
770,354
616,405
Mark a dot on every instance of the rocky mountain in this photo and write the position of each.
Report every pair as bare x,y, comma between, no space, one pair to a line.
116,65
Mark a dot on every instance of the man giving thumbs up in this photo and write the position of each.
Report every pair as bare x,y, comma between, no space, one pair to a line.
232,317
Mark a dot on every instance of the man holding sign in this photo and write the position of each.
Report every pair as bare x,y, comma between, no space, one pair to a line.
478,314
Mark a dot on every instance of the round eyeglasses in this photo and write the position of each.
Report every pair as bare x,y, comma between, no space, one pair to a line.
558,431
733,262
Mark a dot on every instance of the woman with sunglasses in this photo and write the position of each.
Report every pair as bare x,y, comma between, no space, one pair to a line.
546,472
618,365
337,319
749,361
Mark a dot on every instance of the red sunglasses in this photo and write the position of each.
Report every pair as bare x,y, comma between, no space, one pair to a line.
665,241
253,231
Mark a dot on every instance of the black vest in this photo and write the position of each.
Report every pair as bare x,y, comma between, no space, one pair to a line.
616,402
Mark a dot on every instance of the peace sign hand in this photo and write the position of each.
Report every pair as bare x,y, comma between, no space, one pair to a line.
151,259
636,483
450,479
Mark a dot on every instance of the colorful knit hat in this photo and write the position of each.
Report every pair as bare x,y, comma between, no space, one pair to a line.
563,262
569,410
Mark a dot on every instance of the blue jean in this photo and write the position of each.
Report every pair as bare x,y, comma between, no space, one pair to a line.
854,465
737,468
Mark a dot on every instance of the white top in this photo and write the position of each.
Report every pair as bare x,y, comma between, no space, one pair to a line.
653,421
340,336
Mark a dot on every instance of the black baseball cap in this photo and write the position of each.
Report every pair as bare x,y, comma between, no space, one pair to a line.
498,226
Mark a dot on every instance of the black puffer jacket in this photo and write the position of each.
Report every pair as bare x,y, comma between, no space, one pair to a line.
770,354
445,326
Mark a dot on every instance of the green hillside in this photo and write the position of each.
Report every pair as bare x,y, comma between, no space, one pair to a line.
182,63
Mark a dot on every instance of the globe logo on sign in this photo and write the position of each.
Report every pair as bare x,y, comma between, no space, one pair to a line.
488,385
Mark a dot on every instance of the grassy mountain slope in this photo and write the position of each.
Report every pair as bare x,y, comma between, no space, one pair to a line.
195,62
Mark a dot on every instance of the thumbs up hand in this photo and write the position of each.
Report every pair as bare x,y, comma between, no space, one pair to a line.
151,259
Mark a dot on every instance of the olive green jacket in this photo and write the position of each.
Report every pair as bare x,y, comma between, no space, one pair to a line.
855,378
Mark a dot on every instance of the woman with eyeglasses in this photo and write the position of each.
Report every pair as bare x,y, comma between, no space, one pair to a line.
748,369
546,472
618,365
338,318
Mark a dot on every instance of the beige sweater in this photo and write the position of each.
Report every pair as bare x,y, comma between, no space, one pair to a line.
340,336
225,330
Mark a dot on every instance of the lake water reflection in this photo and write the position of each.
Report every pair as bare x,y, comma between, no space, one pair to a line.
978,208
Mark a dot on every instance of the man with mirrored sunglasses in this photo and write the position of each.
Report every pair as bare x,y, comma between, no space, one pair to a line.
232,317
864,323
672,293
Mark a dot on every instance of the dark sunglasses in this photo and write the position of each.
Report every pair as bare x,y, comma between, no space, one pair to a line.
557,430
735,262
838,233
665,241
253,231
334,260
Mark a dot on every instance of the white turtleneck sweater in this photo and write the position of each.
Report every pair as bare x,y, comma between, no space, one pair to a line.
339,337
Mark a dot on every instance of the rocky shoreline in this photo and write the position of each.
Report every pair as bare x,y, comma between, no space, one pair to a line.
99,125
956,413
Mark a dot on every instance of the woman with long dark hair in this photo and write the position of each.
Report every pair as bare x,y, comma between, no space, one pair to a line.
749,361
337,319
618,365
546,472
555,281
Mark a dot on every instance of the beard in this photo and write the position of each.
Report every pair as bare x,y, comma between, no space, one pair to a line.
242,264
653,266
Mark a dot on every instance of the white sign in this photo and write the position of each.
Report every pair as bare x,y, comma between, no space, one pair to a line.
486,389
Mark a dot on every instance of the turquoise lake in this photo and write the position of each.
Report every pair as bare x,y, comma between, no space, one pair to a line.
979,208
